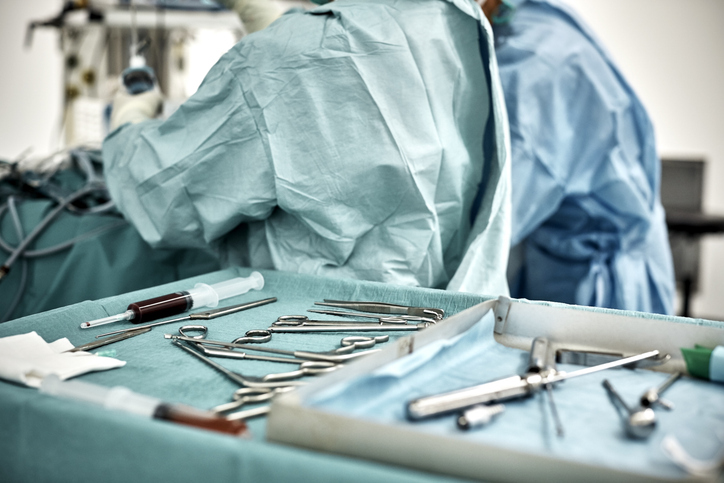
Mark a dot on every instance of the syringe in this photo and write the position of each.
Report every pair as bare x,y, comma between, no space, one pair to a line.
202,295
123,399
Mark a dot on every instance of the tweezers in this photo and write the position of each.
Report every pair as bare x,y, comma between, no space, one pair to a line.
384,308
110,340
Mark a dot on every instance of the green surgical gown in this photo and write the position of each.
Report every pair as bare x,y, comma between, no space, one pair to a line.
351,140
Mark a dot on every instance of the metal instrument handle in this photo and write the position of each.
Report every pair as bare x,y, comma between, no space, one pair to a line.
212,314
502,389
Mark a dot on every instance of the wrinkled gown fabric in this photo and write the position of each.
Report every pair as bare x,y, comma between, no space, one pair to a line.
351,140
588,224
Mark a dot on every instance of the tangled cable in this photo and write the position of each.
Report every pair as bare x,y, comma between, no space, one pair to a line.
94,185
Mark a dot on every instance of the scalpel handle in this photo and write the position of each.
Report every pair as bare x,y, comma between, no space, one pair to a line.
502,389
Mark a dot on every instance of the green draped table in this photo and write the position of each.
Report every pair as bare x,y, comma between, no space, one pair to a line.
43,438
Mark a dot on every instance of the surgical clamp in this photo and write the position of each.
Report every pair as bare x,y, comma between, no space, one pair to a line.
313,356
246,381
230,354
385,308
205,315
348,344
259,336
251,395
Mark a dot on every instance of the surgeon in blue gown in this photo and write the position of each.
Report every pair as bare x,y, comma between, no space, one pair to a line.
588,225
351,140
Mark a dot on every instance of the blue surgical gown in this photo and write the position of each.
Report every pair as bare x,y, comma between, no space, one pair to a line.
347,141
588,225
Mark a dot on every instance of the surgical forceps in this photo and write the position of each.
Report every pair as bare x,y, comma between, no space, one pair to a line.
300,323
351,327
109,340
293,320
298,320
387,319
205,315
385,308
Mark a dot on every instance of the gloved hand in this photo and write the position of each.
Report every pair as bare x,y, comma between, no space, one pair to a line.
254,14
135,108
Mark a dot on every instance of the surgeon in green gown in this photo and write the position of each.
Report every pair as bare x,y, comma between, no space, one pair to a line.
352,140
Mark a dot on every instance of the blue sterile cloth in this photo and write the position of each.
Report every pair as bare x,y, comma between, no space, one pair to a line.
50,439
586,206
593,428
350,141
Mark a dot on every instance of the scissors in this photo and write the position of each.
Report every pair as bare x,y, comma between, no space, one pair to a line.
385,308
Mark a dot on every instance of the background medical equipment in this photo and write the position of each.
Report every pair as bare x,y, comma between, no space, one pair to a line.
181,41
202,295
138,77
123,399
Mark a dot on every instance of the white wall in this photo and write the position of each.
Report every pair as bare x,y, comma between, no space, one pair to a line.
31,80
672,52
